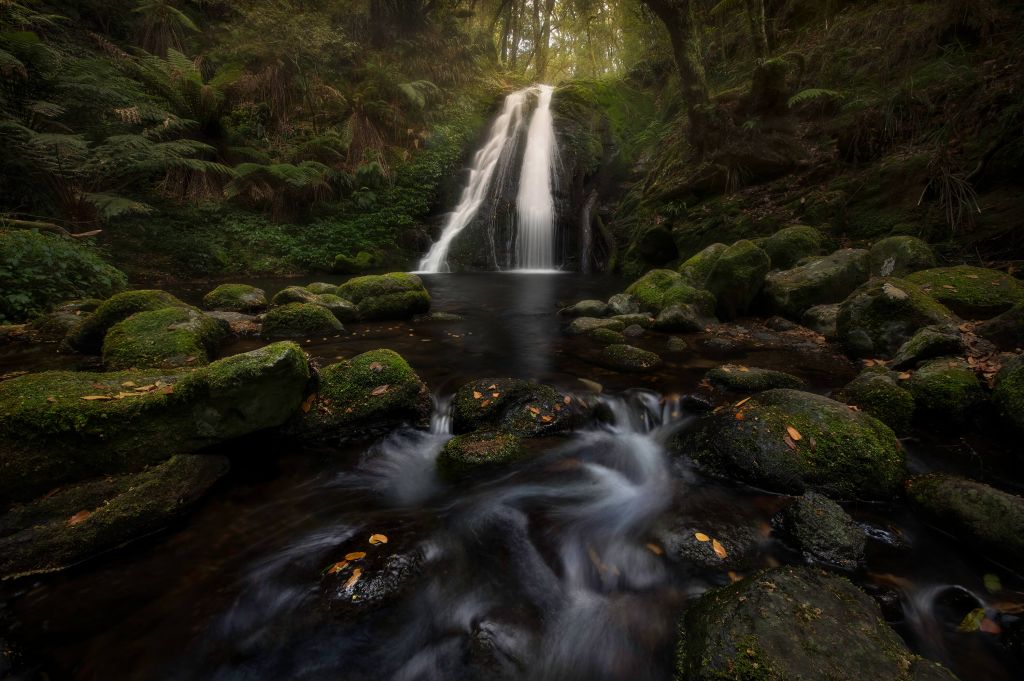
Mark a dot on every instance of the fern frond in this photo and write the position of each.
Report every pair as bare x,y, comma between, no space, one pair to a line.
112,206
812,94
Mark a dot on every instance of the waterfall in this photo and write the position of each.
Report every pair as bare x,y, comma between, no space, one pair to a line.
536,206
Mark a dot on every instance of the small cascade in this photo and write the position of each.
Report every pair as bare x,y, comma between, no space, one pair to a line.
535,238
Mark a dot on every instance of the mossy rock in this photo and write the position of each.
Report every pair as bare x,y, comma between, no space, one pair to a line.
877,393
697,268
737,278
821,281
587,325
343,310
752,379
63,319
476,452
971,292
320,288
585,308
821,319
984,517
362,261
622,304
300,320
680,318
236,298
883,314
89,335
294,294
945,389
684,294
63,426
84,520
898,256
929,342
790,623
840,452
641,319
629,358
677,344
164,339
515,406
1008,395
649,290
397,295
607,336
791,244
678,536
1005,330
374,391
822,531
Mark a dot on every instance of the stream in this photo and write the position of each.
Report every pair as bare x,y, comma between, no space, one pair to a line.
554,570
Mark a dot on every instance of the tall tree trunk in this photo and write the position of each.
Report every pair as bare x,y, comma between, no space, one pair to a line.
678,19
545,38
758,27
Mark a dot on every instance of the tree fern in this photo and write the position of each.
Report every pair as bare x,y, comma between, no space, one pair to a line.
812,94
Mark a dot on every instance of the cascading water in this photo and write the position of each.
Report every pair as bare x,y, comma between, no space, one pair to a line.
535,205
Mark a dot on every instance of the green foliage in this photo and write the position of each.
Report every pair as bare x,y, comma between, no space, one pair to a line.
812,94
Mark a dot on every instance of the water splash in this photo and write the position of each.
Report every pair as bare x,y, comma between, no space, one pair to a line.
535,204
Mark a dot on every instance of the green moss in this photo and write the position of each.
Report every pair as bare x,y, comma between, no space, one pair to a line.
582,325
875,392
606,336
628,358
236,298
88,337
898,256
945,389
649,290
1009,392
294,294
737,278
684,294
321,288
343,310
362,261
483,402
791,244
697,268
752,379
818,281
397,295
929,342
167,338
296,320
971,292
465,454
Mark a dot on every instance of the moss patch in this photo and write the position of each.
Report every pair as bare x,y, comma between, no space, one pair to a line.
877,393
629,358
737,277
791,244
752,379
236,298
465,454
945,388
697,268
397,295
89,335
298,320
971,292
649,290
167,338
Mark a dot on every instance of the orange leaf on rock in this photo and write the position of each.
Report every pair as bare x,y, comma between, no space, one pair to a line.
477,394
484,403
95,398
355,555
700,536
794,433
739,416
380,389
789,441
655,549
904,375
534,410
308,403
78,517
545,418
337,567
741,402
356,574
719,550
378,539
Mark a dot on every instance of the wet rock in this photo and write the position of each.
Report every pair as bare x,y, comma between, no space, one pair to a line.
971,292
822,530
737,278
164,339
718,344
649,290
777,323
236,298
300,320
515,406
898,256
877,393
622,303
676,318
928,343
546,412
945,388
791,244
240,324
63,319
607,336
342,309
840,452
633,331
439,317
822,319
585,308
984,517
640,319
819,282
1006,330
677,344
499,650
582,325
62,426
629,358
883,314
1008,394
752,379
698,267
397,295
88,336
294,294
695,543
793,623
321,288
354,586
84,520
474,452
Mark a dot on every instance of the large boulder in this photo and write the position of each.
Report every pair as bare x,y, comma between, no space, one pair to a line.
397,295
876,392
822,531
1006,330
752,379
621,304
697,268
898,256
88,336
792,441
982,516
236,298
680,318
790,245
480,451
1008,394
821,319
819,282
342,309
649,290
794,624
90,518
737,278
971,292
373,391
164,339
945,389
300,320
883,314
63,426
929,342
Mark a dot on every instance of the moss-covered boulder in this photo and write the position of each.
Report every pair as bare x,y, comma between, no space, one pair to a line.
607,336
684,294
982,516
84,520
398,295
621,304
821,319
343,310
831,448
585,308
821,281
752,379
164,339
374,391
737,278
88,336
360,262
294,294
515,406
236,298
929,342
898,256
649,290
822,531
62,426
56,324
876,392
790,245
676,318
945,389
883,314
629,358
1008,394
322,287
1006,330
697,268
641,319
582,325
476,452
790,624
971,292
300,320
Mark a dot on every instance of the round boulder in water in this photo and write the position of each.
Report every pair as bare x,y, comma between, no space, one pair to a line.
372,571
822,530
474,452
876,392
629,358
585,308
397,295
794,441
236,298
582,325
300,320
168,338
752,379
623,303
945,389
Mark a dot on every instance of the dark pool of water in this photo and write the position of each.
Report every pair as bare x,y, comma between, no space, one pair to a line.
548,564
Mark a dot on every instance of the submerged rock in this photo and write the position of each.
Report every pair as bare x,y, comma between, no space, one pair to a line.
629,358
88,336
790,245
236,298
794,623
821,281
300,320
928,343
898,256
752,379
711,544
822,530
84,520
677,344
737,278
397,295
168,338
971,292
585,308
1009,393
945,388
480,451
982,516
793,441
876,392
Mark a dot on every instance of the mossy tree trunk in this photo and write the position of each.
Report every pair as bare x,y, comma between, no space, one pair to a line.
758,27
677,15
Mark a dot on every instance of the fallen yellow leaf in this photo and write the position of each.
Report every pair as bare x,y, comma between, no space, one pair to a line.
701,536
719,550
79,517
337,567
477,394
534,410
378,539
93,398
741,402
794,433
655,549
356,574
355,555
380,389
308,403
